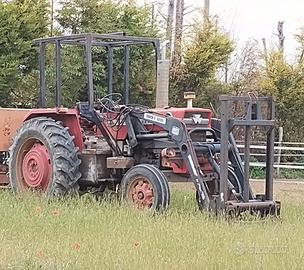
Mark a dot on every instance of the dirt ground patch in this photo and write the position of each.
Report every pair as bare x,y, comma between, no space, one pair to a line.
284,190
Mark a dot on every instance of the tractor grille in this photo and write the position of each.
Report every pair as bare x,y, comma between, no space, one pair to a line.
197,118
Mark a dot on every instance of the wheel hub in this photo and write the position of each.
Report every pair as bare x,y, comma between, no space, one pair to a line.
36,166
142,193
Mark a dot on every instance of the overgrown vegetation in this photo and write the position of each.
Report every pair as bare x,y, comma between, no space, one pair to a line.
23,21
84,234
293,174
97,16
208,51
20,23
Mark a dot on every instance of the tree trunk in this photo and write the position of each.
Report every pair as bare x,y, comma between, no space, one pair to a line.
265,51
281,36
169,28
206,11
179,17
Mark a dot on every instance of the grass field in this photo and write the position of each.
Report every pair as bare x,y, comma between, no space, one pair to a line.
85,234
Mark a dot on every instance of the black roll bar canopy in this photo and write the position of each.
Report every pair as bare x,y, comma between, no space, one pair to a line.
88,40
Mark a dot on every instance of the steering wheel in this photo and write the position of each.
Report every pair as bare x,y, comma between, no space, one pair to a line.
110,102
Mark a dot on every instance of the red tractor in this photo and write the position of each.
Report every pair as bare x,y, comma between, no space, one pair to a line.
106,144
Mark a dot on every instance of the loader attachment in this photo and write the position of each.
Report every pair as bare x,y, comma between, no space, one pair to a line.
256,112
231,192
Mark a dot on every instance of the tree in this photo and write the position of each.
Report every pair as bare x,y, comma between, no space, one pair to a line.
169,27
244,71
79,16
179,20
20,23
285,82
209,50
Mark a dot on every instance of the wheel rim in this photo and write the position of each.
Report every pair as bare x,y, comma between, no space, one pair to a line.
140,193
34,165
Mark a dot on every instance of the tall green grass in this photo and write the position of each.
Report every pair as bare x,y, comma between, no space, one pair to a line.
85,234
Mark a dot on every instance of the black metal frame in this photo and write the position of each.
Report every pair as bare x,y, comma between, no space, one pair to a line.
252,118
110,41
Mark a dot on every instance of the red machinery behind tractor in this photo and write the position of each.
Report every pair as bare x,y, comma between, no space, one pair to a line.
130,149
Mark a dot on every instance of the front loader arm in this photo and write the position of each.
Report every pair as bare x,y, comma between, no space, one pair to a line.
177,132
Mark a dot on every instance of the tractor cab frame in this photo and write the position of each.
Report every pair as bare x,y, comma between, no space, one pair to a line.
88,41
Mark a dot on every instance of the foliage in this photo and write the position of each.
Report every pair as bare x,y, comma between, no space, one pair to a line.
257,173
260,173
104,16
80,16
208,51
73,75
244,69
285,82
20,23
23,21
269,73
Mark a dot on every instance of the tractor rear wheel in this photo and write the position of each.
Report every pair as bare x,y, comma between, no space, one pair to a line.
145,187
43,157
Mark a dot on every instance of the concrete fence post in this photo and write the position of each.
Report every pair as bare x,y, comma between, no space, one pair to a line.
162,87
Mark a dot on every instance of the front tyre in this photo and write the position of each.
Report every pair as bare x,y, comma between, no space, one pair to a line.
145,187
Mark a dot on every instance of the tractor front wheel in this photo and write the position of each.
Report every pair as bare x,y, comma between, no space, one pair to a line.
43,157
145,187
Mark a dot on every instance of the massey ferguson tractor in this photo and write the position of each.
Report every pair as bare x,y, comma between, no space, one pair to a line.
107,144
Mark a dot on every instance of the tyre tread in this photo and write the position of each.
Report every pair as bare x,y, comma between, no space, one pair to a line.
64,154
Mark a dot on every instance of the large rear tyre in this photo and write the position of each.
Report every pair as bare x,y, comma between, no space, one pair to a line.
43,157
145,187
